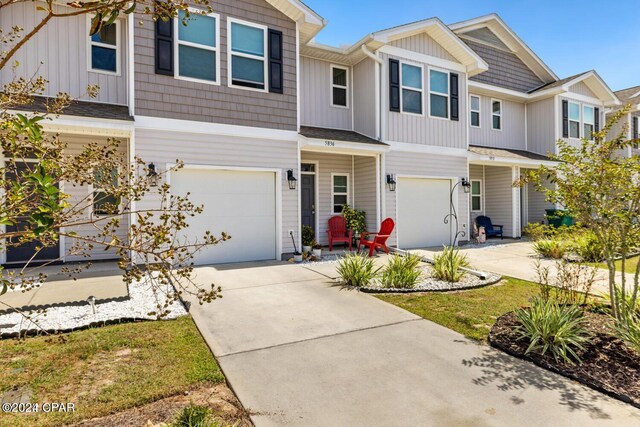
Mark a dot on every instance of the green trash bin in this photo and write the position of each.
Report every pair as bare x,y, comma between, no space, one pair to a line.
558,217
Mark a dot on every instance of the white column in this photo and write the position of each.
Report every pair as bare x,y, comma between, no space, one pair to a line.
515,202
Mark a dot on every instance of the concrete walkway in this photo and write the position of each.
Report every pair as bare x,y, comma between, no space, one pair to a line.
298,350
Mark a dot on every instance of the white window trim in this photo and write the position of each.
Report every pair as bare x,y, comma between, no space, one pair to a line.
176,49
264,59
584,122
117,48
481,195
92,191
471,110
332,85
333,193
579,121
498,114
448,95
412,89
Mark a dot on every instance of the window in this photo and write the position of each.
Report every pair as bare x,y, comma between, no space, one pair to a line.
104,49
476,195
339,86
105,203
496,114
588,119
475,111
197,49
339,191
411,85
438,94
247,55
574,120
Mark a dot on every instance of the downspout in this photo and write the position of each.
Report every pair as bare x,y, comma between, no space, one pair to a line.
377,91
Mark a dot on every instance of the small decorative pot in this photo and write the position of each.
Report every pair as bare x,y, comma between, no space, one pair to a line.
297,258
306,249
317,253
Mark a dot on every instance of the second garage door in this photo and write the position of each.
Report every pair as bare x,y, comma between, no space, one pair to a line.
241,203
422,206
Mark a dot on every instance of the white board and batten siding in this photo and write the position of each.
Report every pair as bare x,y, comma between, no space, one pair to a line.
581,88
315,96
424,44
498,197
364,99
541,131
364,191
219,152
59,52
404,164
512,134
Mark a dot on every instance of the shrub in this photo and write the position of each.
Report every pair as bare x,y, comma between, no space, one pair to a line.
588,247
550,248
448,263
356,219
628,330
552,327
195,416
307,235
357,270
402,272
536,231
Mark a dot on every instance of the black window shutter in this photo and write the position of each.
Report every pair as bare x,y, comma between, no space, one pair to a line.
635,128
565,119
597,119
276,72
453,87
164,47
394,85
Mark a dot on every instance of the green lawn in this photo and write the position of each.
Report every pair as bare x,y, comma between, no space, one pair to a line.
471,312
629,266
106,370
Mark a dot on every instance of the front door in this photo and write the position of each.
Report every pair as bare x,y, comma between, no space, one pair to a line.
308,202
20,254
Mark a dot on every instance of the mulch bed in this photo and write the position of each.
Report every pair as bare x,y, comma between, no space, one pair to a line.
609,366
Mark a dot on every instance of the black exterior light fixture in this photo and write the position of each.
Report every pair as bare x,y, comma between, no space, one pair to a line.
391,182
152,174
466,185
292,180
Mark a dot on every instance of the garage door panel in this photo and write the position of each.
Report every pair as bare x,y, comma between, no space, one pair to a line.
240,203
422,206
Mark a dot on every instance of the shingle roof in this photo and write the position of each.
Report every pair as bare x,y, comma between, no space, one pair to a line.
506,153
559,82
338,135
627,95
83,109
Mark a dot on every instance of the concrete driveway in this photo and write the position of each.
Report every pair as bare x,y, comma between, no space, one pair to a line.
299,350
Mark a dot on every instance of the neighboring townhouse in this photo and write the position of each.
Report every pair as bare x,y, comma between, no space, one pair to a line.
277,131
628,124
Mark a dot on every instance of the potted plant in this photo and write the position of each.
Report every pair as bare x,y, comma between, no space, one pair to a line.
317,249
356,220
308,236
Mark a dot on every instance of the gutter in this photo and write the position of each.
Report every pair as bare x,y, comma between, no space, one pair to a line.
378,94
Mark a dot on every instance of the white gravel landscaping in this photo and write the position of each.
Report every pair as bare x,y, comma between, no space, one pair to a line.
140,303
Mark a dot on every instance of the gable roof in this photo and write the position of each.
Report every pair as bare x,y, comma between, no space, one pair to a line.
433,27
630,96
591,78
510,39
309,22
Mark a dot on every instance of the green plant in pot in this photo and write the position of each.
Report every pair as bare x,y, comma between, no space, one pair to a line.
317,249
308,236
356,219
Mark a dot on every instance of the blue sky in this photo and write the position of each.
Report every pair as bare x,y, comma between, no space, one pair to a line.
570,36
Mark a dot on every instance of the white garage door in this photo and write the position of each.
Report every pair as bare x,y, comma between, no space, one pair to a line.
422,206
243,204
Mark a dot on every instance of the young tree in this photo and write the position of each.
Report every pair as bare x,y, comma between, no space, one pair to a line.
34,208
600,189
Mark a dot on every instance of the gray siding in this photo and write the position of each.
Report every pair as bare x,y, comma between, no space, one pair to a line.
59,52
364,98
505,69
486,35
424,44
165,96
582,89
537,204
512,134
163,147
499,197
424,129
541,126
315,96
476,172
364,189
427,165
80,195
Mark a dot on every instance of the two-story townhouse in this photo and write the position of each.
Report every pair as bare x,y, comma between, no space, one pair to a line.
518,109
628,124
69,59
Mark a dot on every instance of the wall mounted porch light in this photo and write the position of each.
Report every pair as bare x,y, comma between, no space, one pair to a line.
152,174
292,180
391,182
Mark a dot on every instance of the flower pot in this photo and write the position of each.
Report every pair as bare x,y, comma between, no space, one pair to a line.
317,253
306,249
297,257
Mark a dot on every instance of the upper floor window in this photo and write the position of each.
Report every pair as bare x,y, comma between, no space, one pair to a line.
247,55
104,46
411,88
574,120
496,114
438,94
588,119
475,111
198,42
339,86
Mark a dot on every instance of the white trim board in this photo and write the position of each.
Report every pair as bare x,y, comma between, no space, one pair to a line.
428,149
422,58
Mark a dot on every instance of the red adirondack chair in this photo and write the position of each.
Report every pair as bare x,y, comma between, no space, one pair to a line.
338,233
379,239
